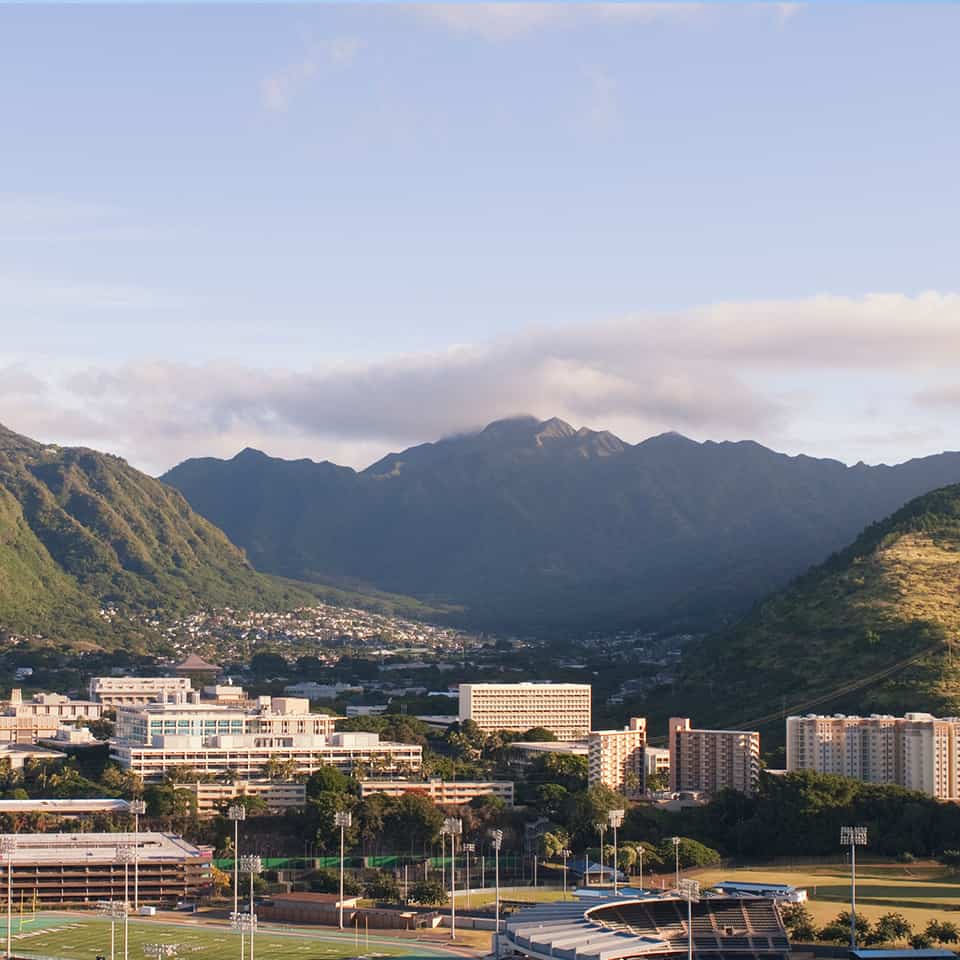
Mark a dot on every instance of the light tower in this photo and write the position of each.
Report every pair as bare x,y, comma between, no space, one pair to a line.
342,819
615,818
853,837
497,843
8,849
453,827
137,808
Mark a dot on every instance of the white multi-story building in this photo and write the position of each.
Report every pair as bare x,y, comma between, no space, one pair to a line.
39,718
254,756
616,758
705,761
216,739
121,691
562,708
917,751
214,796
454,793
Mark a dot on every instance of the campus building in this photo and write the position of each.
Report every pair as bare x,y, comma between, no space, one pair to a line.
706,761
124,691
562,708
27,721
616,758
258,757
278,795
917,751
454,793
80,869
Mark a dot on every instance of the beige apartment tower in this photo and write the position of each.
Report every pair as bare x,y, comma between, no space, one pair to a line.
561,708
711,760
616,758
917,751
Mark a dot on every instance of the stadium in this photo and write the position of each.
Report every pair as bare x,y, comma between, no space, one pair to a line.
724,928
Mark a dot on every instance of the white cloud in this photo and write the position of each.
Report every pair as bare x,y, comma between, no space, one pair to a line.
279,89
719,371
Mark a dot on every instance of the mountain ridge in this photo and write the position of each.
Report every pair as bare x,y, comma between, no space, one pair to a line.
536,525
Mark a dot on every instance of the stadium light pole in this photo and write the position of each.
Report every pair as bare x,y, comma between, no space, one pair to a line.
690,889
565,853
236,813
639,849
497,843
853,837
126,855
252,865
601,827
616,820
137,808
468,848
676,856
8,847
111,910
453,826
343,819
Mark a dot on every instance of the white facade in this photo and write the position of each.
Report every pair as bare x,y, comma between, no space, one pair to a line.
116,691
917,751
27,721
452,793
562,708
615,758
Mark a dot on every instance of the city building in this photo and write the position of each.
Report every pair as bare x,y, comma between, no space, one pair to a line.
257,756
80,869
279,795
272,738
454,793
124,691
321,691
615,758
656,763
562,708
15,755
917,751
27,721
189,715
710,760
524,752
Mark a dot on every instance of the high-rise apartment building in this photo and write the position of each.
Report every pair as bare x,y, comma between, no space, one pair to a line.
711,760
917,751
616,758
561,708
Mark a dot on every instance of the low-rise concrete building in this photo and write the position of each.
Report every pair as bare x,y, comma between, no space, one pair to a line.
442,792
128,691
27,721
279,795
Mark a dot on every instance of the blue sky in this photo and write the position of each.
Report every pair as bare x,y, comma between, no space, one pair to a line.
331,231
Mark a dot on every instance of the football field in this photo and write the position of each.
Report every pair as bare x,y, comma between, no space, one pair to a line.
77,937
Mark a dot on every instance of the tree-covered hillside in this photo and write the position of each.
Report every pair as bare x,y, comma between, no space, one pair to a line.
80,529
874,629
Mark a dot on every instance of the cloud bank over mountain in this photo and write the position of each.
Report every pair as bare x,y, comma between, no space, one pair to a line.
769,370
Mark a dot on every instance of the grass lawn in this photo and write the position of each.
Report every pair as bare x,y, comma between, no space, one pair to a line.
921,892
77,937
481,898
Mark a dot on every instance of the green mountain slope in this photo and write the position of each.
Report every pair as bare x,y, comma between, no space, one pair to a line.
871,630
79,529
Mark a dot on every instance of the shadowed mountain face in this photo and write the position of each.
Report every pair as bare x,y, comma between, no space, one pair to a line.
79,529
537,526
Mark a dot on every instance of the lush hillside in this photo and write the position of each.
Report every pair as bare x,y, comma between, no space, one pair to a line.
537,526
79,529
873,629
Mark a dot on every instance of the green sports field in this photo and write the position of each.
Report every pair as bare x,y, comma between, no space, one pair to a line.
75,937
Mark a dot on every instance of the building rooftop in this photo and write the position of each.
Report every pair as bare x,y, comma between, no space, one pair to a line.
64,806
98,847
